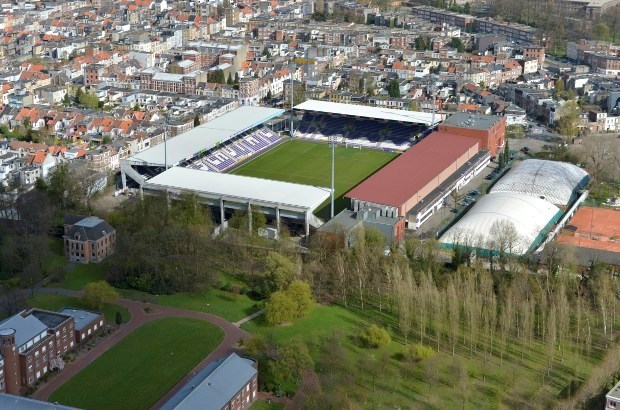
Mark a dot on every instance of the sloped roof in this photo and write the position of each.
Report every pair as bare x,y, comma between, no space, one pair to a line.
221,381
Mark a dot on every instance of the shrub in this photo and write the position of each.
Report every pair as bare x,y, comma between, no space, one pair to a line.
418,352
375,336
279,308
236,289
225,287
119,318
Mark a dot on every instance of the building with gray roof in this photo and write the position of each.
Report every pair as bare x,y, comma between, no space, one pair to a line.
9,401
88,238
230,381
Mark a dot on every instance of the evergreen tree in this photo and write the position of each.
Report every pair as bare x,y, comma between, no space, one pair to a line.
196,120
66,100
236,78
230,80
393,89
506,153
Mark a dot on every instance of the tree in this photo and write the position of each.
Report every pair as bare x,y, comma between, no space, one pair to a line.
266,52
98,294
137,107
506,153
66,100
269,96
568,124
559,88
458,44
255,345
230,80
196,120
420,44
292,359
90,101
467,8
600,31
236,81
393,88
119,318
515,131
217,76
375,336
279,308
279,271
301,294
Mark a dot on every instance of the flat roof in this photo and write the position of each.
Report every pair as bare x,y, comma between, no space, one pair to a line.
377,113
472,121
398,181
240,187
594,228
206,136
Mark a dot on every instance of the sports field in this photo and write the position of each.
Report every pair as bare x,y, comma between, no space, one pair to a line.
309,163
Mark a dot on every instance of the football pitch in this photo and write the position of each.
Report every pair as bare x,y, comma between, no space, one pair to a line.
309,163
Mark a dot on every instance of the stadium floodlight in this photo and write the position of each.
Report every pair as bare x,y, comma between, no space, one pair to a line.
332,139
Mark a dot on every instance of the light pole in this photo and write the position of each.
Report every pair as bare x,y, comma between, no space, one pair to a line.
333,141
292,94
166,143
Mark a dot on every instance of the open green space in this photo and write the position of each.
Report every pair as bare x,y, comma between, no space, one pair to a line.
494,384
55,259
309,163
143,367
80,275
263,405
230,306
55,302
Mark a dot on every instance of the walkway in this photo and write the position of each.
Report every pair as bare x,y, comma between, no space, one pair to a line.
232,335
248,318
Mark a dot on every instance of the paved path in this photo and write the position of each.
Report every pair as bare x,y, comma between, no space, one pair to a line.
232,335
248,318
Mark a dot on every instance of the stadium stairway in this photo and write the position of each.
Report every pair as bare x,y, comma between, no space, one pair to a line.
315,221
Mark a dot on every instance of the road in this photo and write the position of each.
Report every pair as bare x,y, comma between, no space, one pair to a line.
232,336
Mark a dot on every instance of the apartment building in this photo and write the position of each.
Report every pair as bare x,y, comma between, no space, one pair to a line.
88,238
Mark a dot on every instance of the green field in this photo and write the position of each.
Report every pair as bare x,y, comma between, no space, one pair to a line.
143,367
53,302
498,385
309,163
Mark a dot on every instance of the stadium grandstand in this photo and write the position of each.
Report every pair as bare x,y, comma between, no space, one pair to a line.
415,185
521,209
293,203
215,146
362,126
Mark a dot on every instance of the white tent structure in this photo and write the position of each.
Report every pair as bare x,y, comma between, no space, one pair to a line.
513,221
554,181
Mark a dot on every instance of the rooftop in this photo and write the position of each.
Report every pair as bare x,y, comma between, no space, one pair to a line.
375,113
405,176
9,401
472,121
240,187
205,136
26,328
214,386
81,317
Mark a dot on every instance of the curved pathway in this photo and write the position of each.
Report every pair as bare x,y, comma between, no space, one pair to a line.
232,335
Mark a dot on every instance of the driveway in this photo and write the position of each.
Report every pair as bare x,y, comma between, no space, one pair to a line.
232,335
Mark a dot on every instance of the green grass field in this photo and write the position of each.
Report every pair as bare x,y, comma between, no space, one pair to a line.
500,385
56,302
141,368
309,163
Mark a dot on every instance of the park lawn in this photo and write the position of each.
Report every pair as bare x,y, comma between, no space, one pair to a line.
217,302
82,274
309,163
142,367
497,386
264,405
54,302
55,259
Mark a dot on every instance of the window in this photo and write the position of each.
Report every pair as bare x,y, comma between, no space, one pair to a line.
57,333
36,354
70,325
89,330
30,379
1,384
1,373
101,323
29,359
30,368
64,329
64,339
95,328
65,349
43,349
37,364
83,336
44,358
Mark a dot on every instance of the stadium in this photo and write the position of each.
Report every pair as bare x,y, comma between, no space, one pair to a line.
389,160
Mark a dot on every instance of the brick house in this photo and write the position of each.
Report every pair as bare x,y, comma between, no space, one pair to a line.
29,340
229,383
87,322
88,238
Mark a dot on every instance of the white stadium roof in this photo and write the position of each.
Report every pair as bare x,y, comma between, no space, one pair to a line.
378,113
205,136
555,181
216,185
528,215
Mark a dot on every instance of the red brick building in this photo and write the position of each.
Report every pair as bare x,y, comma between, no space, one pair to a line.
30,341
88,238
490,130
